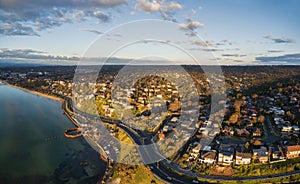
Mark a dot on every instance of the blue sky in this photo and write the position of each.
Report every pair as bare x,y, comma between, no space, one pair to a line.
235,32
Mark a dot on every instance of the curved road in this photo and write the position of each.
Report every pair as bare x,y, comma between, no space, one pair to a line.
174,175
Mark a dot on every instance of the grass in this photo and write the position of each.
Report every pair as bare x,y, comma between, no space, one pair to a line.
274,180
267,169
131,173
128,152
134,174
123,137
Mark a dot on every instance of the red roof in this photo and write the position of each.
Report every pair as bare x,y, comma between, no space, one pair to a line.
293,148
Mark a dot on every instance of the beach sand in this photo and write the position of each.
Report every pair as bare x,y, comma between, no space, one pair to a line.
35,92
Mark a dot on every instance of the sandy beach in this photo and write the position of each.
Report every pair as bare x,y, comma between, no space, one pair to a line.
34,92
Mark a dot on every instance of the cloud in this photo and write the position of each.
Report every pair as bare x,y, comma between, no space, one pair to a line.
173,5
275,51
224,42
207,43
17,4
191,25
212,50
148,6
238,61
10,29
28,17
156,6
99,15
17,56
234,55
92,31
166,9
31,55
279,40
283,59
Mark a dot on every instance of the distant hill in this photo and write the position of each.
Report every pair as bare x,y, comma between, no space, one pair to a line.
18,64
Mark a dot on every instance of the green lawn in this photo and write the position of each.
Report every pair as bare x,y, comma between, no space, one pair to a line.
139,174
267,169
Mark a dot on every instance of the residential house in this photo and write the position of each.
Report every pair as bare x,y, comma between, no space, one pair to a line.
161,136
242,132
228,130
196,150
278,120
261,154
226,153
279,112
242,156
257,132
208,157
286,128
277,153
293,151
296,129
165,128
109,112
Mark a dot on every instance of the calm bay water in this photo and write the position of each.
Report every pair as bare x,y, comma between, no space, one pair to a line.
33,148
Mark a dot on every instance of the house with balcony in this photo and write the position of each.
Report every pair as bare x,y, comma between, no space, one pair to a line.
261,154
293,151
226,154
242,157
195,151
208,157
277,153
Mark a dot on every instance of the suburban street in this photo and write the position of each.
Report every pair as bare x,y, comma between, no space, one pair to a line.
167,170
269,131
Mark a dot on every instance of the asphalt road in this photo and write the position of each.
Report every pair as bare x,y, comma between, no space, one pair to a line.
161,168
269,131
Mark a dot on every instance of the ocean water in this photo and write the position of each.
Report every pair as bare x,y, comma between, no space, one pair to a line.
33,148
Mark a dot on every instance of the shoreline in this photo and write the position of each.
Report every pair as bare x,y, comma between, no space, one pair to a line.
61,100
51,97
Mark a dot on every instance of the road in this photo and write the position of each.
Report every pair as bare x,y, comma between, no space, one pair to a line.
270,134
161,168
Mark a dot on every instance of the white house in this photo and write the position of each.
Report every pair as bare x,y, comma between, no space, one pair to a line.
208,157
261,154
243,158
226,154
293,151
196,150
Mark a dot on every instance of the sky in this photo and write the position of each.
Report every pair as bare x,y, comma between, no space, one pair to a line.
228,32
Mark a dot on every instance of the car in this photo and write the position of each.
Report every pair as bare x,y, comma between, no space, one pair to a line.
169,178
195,181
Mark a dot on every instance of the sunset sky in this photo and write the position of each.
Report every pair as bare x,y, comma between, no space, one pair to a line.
237,32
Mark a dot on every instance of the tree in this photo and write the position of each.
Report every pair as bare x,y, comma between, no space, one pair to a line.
289,114
261,118
239,95
227,123
234,118
257,142
183,166
254,95
247,145
237,105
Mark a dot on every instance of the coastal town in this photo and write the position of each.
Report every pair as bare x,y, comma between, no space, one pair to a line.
258,135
